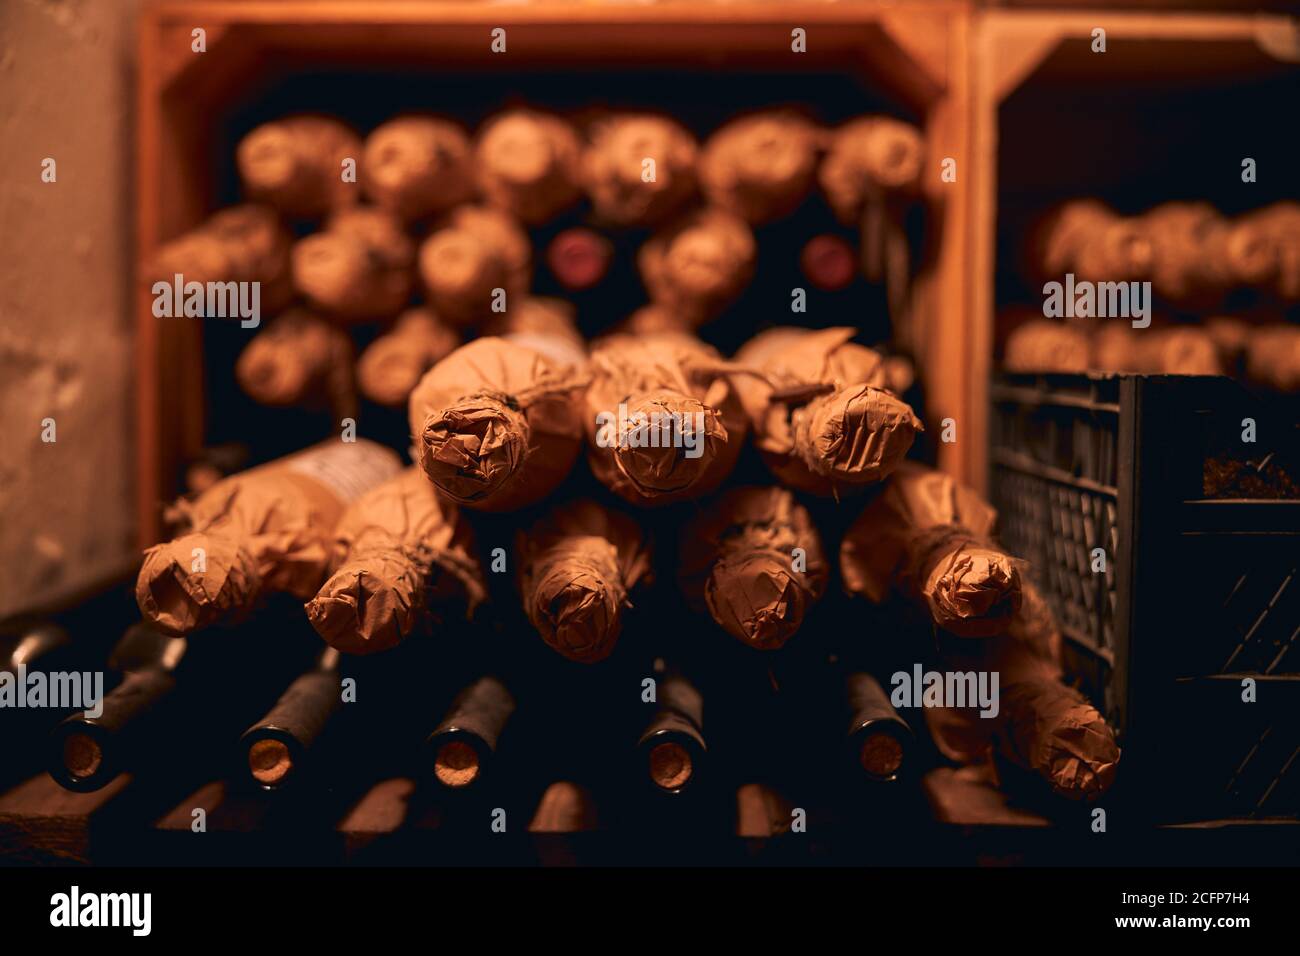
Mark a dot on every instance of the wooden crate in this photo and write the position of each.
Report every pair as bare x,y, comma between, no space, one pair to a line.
915,53
1192,63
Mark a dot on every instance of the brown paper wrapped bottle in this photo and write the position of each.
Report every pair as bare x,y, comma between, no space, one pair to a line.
699,264
264,531
928,538
822,413
1273,357
664,421
1198,256
760,167
753,561
296,164
1086,238
546,322
1042,725
653,319
417,166
245,243
577,567
393,364
300,359
473,253
405,559
527,163
1280,223
359,268
1180,350
638,169
868,159
497,422
1042,345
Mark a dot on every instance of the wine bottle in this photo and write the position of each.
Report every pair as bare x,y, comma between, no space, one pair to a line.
405,559
928,538
664,421
671,750
87,751
1088,239
879,740
476,261
698,264
300,359
393,364
760,167
496,422
578,565
296,164
824,417
527,163
753,561
465,742
43,648
245,243
638,168
179,700
867,160
417,166
278,747
260,532
359,268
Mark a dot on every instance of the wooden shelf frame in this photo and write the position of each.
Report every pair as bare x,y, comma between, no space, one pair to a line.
914,52
1008,50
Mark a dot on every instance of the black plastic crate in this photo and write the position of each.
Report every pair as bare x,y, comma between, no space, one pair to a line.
1201,589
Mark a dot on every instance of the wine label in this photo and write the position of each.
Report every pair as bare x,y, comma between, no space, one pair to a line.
348,469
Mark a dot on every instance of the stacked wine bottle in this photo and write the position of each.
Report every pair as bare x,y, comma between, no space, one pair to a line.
722,496
1219,293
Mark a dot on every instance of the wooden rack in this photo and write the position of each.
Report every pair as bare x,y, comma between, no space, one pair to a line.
916,53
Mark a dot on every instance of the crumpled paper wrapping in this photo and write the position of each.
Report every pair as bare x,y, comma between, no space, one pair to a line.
1042,726
359,268
497,423
417,166
527,163
259,532
1198,255
614,168
1087,238
696,265
393,364
1186,350
546,323
739,563
578,565
1280,222
295,163
661,374
822,416
928,538
868,158
299,359
760,167
1273,357
245,243
1052,730
652,319
404,555
474,251
1042,345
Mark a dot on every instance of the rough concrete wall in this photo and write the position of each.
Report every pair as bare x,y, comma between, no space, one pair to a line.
65,330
